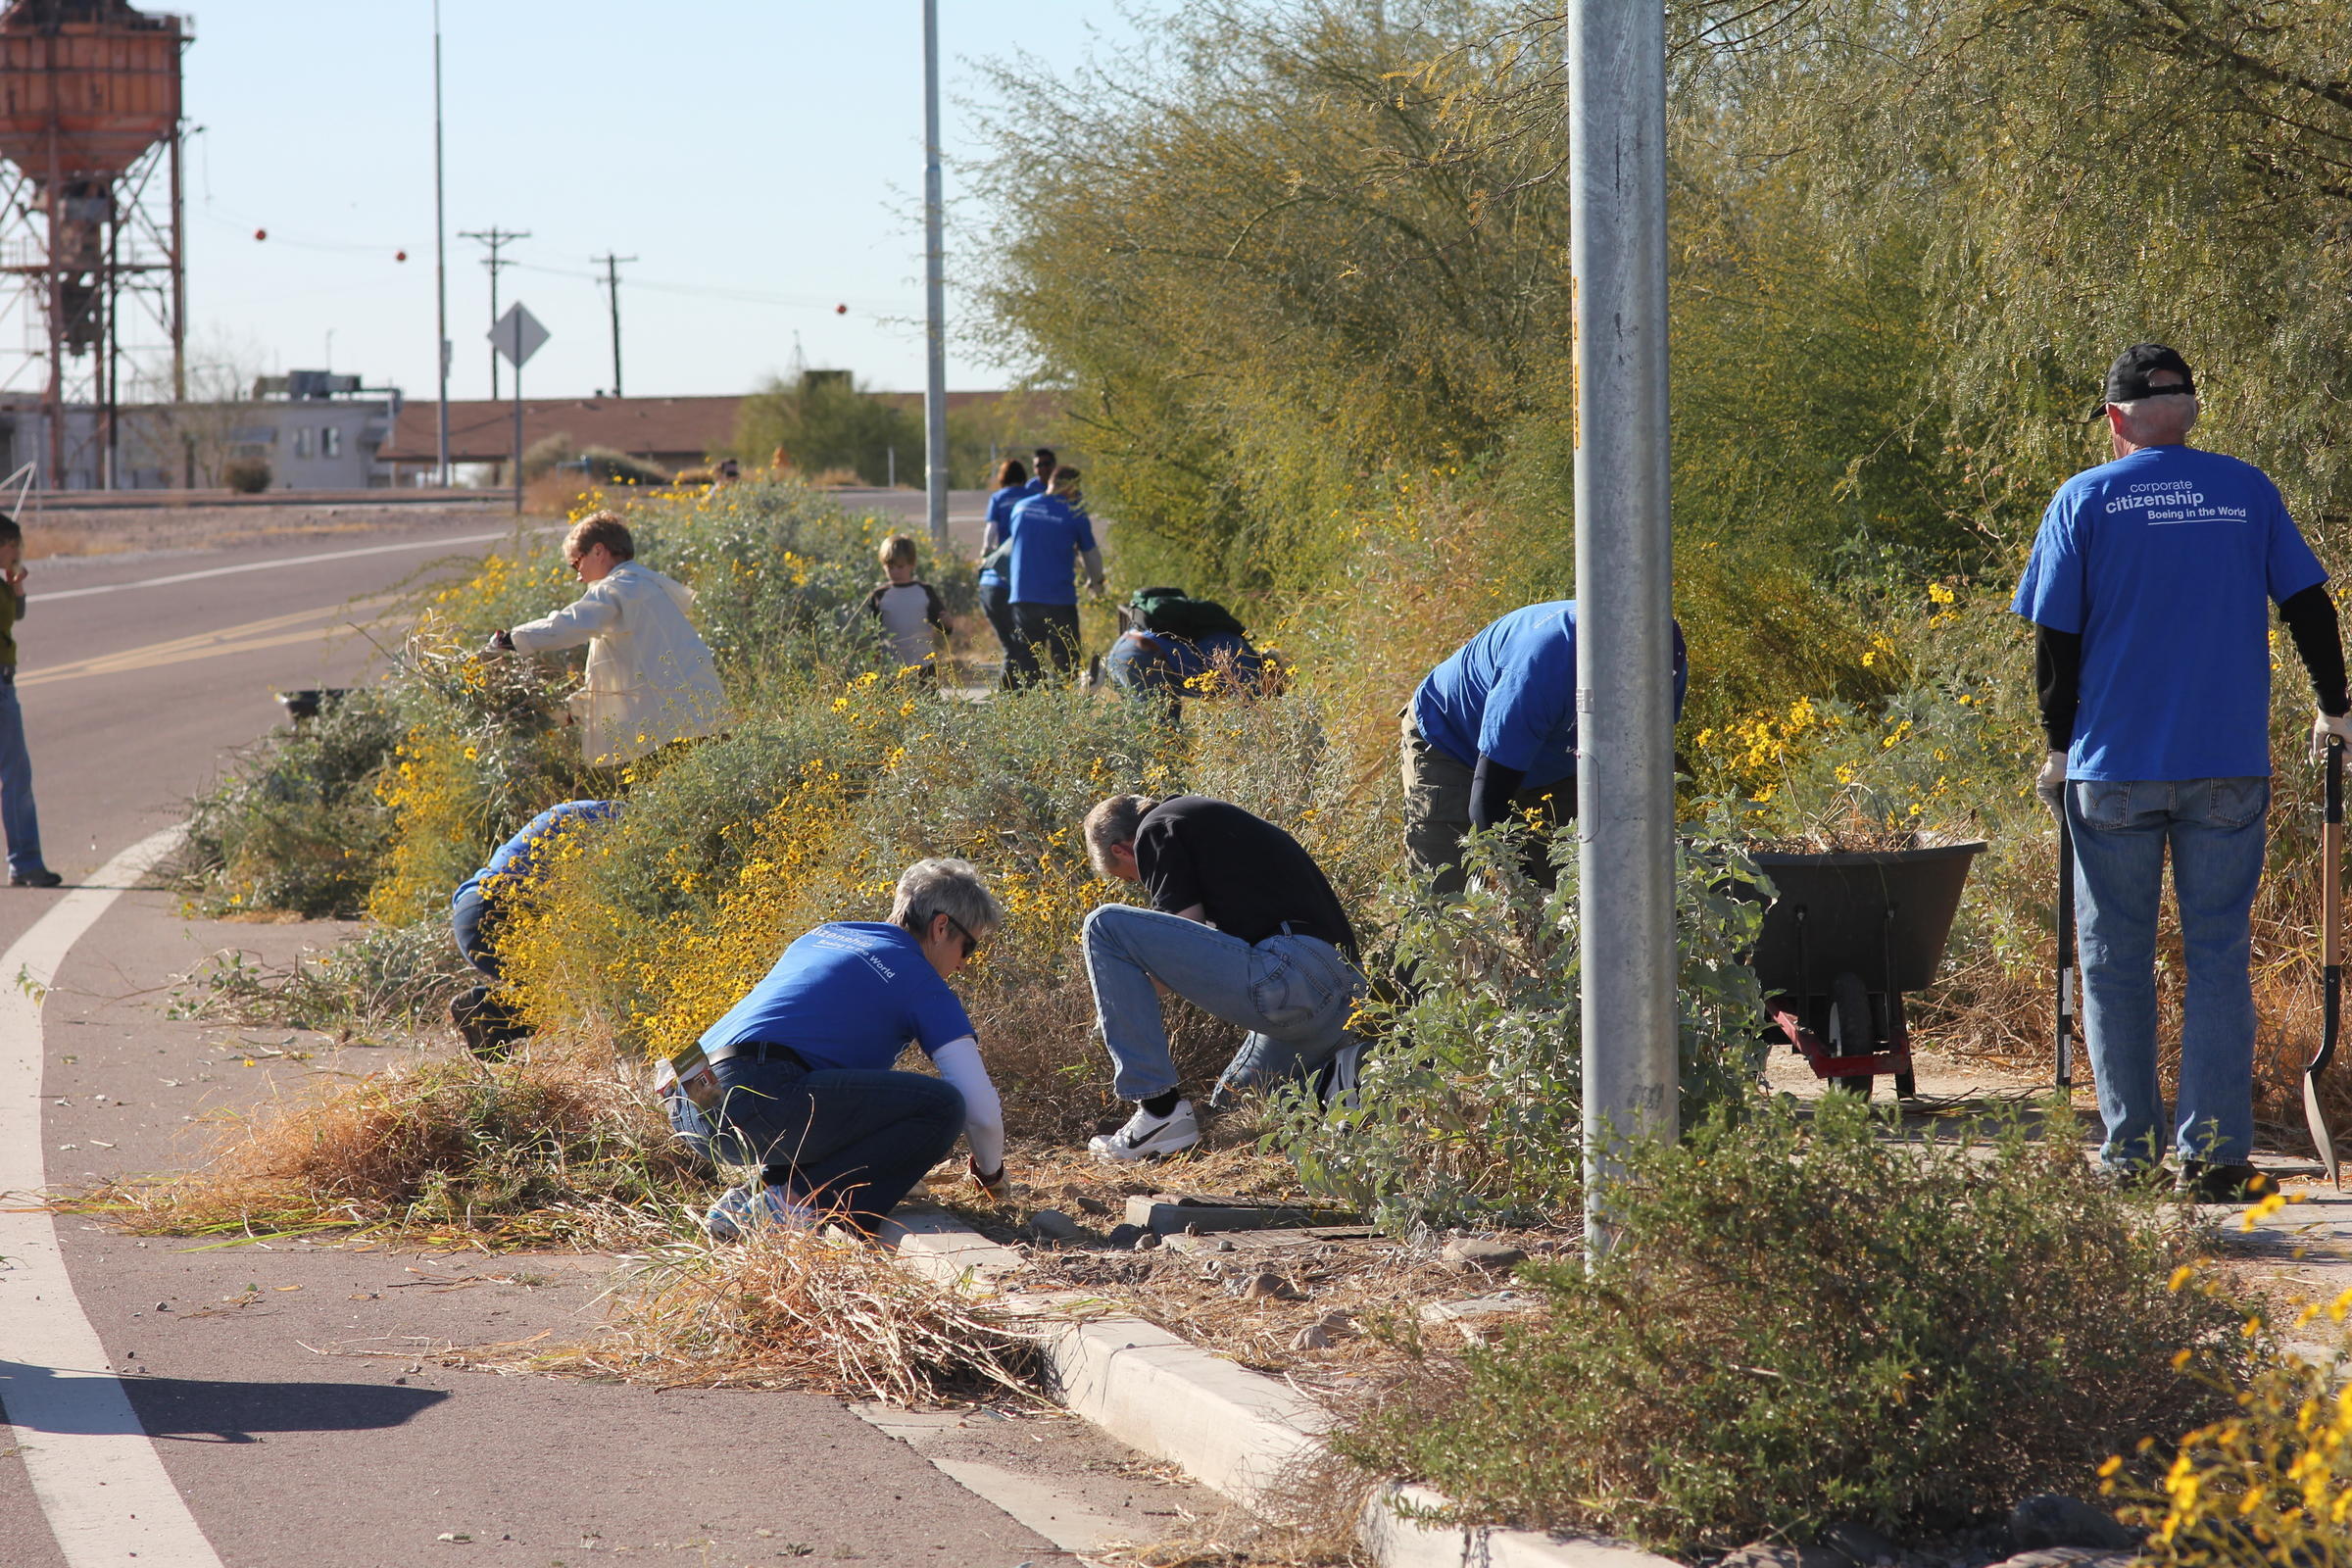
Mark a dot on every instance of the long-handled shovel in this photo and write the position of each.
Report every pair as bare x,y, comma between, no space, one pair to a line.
2066,952
2332,959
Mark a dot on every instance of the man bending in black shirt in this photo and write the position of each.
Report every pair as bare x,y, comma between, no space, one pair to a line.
1243,924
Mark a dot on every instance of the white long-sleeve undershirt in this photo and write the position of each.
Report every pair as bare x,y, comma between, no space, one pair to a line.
958,1063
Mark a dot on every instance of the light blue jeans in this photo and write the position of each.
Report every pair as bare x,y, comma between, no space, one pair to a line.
18,820
2215,829
1294,994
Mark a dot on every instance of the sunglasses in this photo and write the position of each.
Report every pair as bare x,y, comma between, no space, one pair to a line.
971,943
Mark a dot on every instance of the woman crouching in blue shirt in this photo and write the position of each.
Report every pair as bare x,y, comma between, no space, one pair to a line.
797,1077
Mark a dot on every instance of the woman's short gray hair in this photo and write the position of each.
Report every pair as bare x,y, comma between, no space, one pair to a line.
1111,823
952,888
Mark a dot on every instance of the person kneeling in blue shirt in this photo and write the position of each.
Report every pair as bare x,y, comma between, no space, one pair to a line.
797,1077
1492,732
479,907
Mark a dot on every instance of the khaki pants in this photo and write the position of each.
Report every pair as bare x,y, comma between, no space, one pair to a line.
1436,811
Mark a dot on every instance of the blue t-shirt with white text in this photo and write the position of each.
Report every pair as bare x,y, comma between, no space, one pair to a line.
1047,536
2166,562
1511,692
999,521
514,861
848,993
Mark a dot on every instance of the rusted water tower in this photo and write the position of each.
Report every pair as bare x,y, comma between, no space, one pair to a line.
89,118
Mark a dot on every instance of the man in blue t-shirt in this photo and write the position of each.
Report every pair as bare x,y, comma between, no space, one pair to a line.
2147,588
1050,536
1014,487
479,906
1492,732
798,1079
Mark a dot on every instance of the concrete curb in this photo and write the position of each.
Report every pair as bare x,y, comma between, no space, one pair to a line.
1238,1431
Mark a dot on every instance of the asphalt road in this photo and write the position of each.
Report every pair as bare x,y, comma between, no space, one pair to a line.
282,1385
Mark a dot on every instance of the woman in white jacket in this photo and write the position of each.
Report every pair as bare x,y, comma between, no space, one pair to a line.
650,680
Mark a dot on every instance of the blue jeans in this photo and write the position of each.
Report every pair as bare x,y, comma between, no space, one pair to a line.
17,818
473,920
852,1140
1294,994
2215,829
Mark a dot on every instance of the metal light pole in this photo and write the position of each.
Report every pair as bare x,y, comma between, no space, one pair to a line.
440,266
1624,581
935,288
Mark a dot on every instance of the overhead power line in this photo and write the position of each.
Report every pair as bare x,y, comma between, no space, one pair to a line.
497,239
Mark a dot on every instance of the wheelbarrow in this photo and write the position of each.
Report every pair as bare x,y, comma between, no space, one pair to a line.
1845,936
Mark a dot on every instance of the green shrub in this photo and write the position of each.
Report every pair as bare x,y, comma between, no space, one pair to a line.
1812,1322
295,823
2270,1484
826,422
1469,1108
246,476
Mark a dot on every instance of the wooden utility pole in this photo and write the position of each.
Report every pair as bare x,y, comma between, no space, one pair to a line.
497,239
612,267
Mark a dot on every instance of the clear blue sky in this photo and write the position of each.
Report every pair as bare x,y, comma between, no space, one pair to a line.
769,148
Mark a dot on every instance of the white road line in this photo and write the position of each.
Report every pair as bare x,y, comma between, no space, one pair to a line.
92,1465
43,597
1063,1517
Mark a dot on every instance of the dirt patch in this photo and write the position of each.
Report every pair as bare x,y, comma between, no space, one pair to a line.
1308,1302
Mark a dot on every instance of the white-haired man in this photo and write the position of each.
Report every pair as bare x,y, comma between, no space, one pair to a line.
1243,924
2148,589
797,1077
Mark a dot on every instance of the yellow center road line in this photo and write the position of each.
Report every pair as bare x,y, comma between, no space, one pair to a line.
417,546
275,631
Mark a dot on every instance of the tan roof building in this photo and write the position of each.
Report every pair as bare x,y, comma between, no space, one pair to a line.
674,433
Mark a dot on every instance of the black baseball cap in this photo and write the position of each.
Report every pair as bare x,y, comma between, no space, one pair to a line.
2127,377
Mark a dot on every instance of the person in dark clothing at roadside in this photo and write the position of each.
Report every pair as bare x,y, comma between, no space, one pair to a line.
22,823
481,906
996,584
1492,732
1243,924
2148,589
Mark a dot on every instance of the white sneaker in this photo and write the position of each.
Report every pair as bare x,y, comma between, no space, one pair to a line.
747,1208
1150,1136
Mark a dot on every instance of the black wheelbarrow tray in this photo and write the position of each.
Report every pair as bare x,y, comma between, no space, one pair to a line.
1843,937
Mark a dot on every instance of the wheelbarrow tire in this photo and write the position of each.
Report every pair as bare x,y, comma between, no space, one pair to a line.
1853,1029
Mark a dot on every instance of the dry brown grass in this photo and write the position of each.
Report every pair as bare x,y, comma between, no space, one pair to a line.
826,1313
559,1145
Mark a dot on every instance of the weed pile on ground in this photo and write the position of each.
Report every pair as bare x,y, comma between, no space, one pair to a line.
1813,1322
385,978
819,1311
553,1146
295,823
